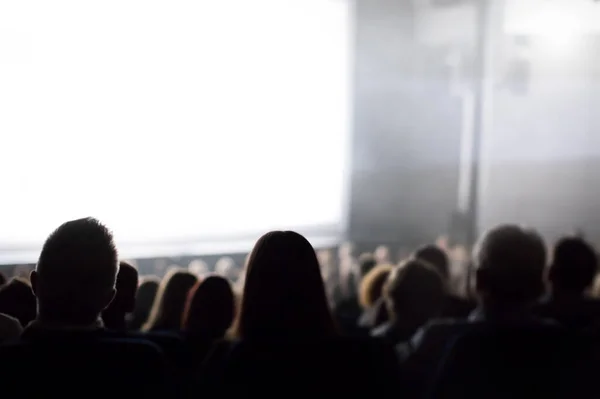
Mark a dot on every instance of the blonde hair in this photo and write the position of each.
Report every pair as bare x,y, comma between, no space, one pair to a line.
371,286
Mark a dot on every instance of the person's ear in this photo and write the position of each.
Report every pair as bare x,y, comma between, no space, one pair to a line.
33,278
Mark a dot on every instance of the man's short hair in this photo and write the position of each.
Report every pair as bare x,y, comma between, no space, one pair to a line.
510,262
574,265
434,256
77,268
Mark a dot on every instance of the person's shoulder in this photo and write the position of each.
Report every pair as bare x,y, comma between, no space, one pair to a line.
8,320
10,327
438,327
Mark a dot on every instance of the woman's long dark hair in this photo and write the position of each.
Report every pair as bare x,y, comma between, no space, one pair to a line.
169,302
210,308
284,294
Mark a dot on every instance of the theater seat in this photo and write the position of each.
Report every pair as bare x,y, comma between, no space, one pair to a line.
517,362
343,366
82,368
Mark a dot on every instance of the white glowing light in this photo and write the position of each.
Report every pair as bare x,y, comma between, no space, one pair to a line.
172,119
557,26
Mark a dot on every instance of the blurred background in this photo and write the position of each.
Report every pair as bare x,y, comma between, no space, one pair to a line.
192,127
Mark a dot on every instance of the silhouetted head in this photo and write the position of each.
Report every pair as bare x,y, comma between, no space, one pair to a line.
210,308
76,272
414,292
510,262
574,266
366,262
124,300
170,300
3,279
144,299
436,257
17,300
284,294
371,286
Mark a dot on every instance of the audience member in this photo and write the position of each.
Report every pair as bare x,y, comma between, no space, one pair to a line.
454,306
510,262
348,310
208,314
371,299
284,294
3,279
371,286
210,308
74,280
114,316
286,333
435,257
572,271
169,302
17,300
10,328
144,299
414,294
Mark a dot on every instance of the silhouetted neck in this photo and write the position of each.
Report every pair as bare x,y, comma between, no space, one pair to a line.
114,321
63,318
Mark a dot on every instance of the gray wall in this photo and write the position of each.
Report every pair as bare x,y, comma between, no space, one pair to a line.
542,157
406,128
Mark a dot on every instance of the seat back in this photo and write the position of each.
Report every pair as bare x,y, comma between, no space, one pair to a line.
332,366
82,367
515,362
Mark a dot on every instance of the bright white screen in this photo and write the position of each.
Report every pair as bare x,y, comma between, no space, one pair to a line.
172,119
